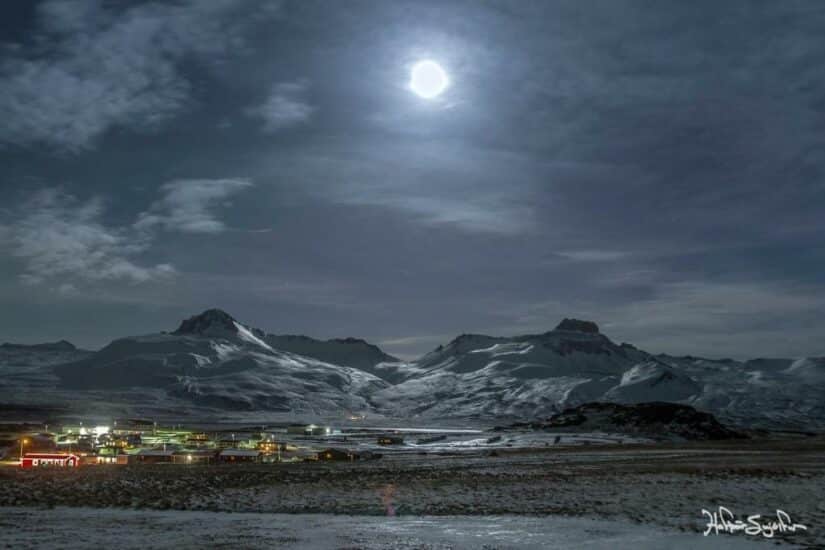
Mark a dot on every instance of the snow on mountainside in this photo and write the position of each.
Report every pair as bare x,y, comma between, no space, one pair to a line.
348,352
539,375
212,360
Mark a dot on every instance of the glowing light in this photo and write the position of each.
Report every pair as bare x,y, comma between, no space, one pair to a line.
428,79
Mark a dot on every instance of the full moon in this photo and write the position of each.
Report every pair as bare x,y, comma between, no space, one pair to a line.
428,79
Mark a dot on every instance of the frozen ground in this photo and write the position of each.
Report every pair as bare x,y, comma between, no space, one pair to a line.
637,490
127,529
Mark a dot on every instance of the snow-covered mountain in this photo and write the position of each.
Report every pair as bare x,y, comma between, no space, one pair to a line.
348,352
214,361
534,376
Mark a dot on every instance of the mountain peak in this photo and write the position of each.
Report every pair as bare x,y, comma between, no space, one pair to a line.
207,321
576,325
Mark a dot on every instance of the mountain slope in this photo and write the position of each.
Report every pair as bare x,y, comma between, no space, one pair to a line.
348,352
539,375
213,361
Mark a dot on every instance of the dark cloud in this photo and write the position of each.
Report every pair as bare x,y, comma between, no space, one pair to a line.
62,240
92,67
656,166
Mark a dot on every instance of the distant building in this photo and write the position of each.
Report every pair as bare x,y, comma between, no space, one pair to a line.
133,425
268,446
239,455
337,455
298,455
155,456
197,456
39,460
111,455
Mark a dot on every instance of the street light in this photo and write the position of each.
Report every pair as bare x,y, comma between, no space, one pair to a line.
23,441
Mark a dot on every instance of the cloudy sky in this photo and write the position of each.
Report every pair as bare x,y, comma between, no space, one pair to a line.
657,167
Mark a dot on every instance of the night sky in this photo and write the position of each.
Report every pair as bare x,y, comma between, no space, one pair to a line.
654,166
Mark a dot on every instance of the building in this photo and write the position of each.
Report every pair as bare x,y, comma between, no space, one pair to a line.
337,455
299,455
59,460
125,426
194,456
155,456
268,446
239,455
111,455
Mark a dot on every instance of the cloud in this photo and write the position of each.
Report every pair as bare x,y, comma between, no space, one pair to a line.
93,67
593,255
186,205
286,106
444,184
62,240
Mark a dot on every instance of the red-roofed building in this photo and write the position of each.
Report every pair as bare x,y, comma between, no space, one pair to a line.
37,460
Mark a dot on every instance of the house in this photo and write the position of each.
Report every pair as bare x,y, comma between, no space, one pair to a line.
232,456
155,456
59,460
111,455
299,455
195,456
268,446
337,455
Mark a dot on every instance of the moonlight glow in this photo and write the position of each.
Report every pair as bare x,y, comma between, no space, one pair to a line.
428,79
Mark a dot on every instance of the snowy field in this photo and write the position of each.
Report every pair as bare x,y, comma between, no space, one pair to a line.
127,529
576,497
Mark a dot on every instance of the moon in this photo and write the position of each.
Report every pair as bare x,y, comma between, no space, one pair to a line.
428,79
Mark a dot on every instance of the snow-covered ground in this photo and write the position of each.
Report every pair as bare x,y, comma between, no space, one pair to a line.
664,487
130,529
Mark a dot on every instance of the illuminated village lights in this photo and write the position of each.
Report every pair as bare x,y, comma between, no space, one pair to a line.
23,441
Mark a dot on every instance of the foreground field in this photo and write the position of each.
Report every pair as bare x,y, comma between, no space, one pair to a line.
654,486
141,529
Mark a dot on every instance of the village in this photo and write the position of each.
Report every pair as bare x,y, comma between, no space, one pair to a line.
136,441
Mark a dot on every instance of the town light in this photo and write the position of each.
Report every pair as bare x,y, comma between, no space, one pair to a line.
23,441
